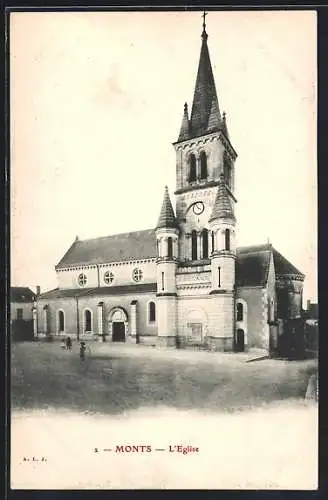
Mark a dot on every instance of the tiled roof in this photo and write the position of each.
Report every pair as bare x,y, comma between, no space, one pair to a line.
222,208
167,217
115,248
21,294
105,290
283,266
252,265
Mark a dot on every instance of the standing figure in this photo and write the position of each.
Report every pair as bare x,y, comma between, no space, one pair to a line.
68,343
82,350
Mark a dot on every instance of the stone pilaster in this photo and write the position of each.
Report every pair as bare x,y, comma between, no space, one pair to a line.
133,321
45,319
35,322
209,244
199,246
187,246
100,318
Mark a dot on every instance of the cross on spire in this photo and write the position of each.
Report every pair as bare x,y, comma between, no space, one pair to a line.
203,16
204,34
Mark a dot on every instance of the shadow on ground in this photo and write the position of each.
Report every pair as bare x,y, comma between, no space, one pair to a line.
261,358
43,376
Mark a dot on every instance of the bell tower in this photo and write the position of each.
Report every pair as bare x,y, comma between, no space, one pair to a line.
203,154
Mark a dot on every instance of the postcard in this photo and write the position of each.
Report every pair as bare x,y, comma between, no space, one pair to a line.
164,309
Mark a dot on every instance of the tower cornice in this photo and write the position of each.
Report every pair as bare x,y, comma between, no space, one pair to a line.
211,136
199,187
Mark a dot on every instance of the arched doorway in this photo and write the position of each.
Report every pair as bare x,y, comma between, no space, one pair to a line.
240,340
118,325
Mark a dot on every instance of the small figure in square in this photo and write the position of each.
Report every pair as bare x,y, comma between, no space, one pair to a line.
82,350
68,343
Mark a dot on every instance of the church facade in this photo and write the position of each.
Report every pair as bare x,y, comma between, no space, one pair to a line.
185,282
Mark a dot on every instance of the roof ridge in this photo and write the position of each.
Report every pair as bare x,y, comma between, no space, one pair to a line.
47,291
115,234
255,248
21,288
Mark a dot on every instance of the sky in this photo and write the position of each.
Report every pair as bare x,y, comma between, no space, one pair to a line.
96,101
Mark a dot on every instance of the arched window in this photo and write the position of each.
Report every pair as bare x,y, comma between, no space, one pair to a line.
194,245
61,321
227,239
240,312
227,168
152,312
203,165
213,241
271,310
192,168
205,243
169,247
87,321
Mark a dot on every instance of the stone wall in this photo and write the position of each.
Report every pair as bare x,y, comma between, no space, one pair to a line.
257,326
69,307
206,319
122,274
25,306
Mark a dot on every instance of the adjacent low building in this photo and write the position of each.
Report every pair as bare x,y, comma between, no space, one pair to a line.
22,303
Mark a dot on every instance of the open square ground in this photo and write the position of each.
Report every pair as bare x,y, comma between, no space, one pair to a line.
248,420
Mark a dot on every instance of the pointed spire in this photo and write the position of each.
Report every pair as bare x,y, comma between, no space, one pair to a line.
214,121
224,125
222,208
184,131
205,92
167,217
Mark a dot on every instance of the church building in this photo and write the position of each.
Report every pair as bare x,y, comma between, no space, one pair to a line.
184,282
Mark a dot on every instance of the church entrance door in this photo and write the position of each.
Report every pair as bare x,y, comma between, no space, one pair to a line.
240,340
118,331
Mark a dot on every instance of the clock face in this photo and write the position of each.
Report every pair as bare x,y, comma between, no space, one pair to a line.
198,208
